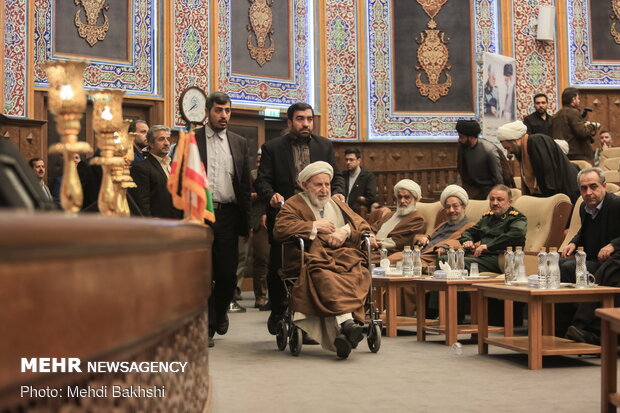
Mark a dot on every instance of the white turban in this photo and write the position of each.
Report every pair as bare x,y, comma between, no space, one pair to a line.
454,190
315,168
408,185
563,145
511,131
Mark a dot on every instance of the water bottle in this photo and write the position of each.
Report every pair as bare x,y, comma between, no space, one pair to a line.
460,261
509,258
384,262
417,262
553,269
519,265
407,262
452,259
581,271
542,268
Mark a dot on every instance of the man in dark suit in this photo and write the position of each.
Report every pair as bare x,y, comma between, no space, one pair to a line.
151,177
599,236
282,160
140,129
357,181
225,157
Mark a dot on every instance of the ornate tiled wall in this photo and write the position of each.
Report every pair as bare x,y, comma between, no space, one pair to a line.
383,122
341,59
137,77
583,70
265,91
536,61
15,58
191,48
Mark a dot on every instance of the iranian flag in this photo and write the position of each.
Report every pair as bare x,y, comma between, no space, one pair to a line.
188,183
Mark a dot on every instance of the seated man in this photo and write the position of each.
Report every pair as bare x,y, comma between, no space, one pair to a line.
600,236
396,229
501,227
328,298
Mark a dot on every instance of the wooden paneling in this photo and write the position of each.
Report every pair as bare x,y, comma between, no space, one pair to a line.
26,134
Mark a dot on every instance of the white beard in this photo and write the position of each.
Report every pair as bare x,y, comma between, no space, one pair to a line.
320,204
402,211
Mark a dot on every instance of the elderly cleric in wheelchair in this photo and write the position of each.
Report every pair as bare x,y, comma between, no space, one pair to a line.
327,301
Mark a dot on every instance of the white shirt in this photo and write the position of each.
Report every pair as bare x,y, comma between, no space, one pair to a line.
164,162
220,167
352,178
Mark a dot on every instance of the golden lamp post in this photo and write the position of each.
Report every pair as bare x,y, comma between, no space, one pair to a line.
107,122
123,148
67,102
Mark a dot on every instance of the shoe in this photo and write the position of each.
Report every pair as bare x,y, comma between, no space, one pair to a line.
237,294
308,340
582,336
222,325
343,346
353,331
272,323
260,302
265,307
235,307
211,342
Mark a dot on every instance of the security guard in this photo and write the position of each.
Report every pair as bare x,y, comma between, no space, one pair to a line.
501,227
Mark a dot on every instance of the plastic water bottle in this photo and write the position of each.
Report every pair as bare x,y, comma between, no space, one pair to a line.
509,258
452,259
519,265
384,262
457,348
553,269
407,262
581,270
460,261
542,268
417,262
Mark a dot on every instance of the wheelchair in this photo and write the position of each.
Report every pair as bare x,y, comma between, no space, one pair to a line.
287,333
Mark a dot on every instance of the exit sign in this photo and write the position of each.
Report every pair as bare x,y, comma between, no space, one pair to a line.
271,113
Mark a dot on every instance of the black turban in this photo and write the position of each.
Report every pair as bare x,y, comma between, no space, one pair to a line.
468,127
508,69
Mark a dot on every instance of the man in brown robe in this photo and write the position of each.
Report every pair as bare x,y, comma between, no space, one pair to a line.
328,298
397,229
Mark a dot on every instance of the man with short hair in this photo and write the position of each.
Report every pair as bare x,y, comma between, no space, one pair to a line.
540,120
358,181
140,142
282,160
599,236
478,160
225,158
503,226
38,166
545,170
328,298
151,177
606,143
569,125
395,230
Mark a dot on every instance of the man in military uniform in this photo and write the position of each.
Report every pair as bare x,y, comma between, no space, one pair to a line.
501,227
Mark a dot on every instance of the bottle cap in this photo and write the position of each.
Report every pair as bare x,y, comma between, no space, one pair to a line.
553,249
407,247
518,248
543,249
580,249
508,248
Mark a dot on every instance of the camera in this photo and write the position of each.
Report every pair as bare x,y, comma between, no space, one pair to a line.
585,112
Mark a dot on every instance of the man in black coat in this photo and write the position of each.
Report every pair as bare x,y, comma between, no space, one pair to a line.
225,158
357,181
282,160
600,236
539,121
151,177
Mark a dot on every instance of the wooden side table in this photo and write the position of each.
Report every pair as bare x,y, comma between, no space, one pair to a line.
610,328
540,340
449,306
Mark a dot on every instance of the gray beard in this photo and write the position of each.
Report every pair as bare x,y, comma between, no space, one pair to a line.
402,211
316,202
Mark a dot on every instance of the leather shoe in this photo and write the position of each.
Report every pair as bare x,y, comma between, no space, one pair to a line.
265,307
582,336
211,342
308,340
260,302
222,325
353,331
343,346
235,307
272,323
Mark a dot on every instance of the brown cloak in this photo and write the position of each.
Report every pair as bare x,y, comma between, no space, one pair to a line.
332,281
403,233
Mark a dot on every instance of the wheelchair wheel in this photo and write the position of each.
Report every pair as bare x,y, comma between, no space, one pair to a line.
281,335
295,341
374,337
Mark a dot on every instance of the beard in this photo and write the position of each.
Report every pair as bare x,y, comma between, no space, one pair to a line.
516,151
319,203
402,211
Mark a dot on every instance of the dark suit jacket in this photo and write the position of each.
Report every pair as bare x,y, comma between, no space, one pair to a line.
365,185
151,195
608,228
241,179
276,172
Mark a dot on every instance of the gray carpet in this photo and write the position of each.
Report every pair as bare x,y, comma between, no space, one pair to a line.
249,374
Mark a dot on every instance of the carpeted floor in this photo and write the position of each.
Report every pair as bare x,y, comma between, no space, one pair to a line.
249,374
